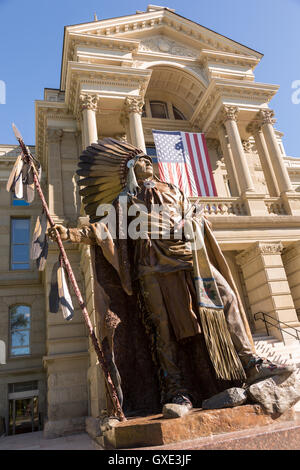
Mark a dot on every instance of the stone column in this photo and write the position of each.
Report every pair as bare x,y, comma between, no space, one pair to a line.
281,173
134,109
88,108
265,160
229,118
291,260
229,163
55,188
267,286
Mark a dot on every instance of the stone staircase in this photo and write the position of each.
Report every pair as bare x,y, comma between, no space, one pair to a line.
276,351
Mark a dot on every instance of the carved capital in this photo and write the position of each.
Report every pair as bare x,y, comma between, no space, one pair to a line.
88,102
133,105
247,146
267,116
229,113
259,249
54,135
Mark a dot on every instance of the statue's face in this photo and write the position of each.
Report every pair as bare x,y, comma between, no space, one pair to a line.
143,169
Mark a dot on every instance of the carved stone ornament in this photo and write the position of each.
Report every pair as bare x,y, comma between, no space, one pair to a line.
166,46
229,113
267,116
247,146
259,249
88,102
134,105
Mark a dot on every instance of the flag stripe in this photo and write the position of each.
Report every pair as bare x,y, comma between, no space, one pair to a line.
214,189
201,164
189,171
195,159
183,160
190,152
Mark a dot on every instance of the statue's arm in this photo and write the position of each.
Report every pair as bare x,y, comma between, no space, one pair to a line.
92,234
84,234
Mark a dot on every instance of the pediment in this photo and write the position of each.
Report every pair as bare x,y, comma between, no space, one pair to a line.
158,29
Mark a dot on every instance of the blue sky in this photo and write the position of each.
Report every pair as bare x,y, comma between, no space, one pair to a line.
31,38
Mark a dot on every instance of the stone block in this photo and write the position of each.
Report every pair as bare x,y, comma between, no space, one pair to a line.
155,430
271,261
228,399
276,394
63,427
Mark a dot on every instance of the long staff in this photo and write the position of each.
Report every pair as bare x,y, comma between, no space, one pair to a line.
101,358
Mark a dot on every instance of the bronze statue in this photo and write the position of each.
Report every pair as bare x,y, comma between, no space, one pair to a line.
186,298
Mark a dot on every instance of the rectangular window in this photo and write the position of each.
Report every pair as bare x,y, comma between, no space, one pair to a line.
19,330
20,239
151,151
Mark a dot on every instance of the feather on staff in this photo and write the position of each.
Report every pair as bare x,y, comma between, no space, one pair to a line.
28,157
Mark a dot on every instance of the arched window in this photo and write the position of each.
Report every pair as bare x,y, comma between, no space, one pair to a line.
178,114
159,109
19,322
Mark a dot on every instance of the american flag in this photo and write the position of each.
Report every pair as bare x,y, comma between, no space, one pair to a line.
184,161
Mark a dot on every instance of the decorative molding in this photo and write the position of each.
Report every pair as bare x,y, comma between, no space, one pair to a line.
247,146
267,116
259,249
229,113
164,45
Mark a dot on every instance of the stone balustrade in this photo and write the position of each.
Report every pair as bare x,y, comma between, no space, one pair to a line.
236,206
275,206
231,206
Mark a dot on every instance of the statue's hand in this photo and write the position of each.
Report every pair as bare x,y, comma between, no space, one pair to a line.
63,232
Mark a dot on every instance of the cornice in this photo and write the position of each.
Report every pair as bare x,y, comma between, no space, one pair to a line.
73,40
220,89
150,20
160,21
46,110
230,58
99,75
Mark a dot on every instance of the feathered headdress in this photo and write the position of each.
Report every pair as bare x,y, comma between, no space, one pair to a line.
107,168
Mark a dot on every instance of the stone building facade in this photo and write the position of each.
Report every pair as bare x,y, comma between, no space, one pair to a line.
123,77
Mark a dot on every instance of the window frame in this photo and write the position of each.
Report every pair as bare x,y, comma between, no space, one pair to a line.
164,103
12,244
10,346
